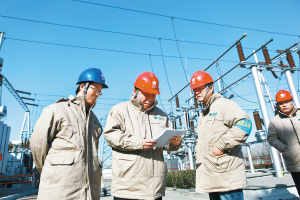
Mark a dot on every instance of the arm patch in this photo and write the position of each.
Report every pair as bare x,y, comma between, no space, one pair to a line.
245,125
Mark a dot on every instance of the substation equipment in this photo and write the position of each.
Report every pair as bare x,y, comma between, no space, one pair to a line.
16,157
262,91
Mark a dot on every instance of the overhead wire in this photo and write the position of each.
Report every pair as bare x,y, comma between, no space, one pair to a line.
185,19
162,56
158,95
109,50
179,51
117,32
114,32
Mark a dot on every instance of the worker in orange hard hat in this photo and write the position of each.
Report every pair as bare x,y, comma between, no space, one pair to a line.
222,128
284,133
138,169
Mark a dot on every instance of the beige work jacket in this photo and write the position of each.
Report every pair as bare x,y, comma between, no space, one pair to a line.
64,146
136,173
216,127
283,134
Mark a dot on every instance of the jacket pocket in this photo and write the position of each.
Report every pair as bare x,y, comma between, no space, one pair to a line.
62,160
130,165
218,164
64,170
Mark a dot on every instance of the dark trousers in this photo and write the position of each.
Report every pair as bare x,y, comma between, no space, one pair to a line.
296,178
230,195
117,198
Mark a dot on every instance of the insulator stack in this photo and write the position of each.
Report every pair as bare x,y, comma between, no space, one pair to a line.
25,143
174,124
275,76
257,120
22,144
266,55
187,120
10,146
192,126
180,124
290,59
196,102
177,101
240,51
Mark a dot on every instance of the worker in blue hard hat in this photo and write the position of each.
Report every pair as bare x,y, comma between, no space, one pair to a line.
65,143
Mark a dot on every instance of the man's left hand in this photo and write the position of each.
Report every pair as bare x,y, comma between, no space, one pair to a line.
217,152
176,140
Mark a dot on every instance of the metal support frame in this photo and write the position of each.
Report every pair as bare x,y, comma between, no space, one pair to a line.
250,159
14,93
283,162
27,131
189,141
263,107
293,90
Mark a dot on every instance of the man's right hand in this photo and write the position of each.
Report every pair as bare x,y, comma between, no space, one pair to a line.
148,143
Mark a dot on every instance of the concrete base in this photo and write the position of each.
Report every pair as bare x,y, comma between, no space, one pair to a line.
263,186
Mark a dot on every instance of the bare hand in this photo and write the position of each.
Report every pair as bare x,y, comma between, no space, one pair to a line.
148,143
217,152
176,140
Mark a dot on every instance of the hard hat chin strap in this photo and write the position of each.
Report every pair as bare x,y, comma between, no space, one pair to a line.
207,90
137,91
87,84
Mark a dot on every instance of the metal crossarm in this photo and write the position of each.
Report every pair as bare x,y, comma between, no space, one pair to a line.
292,49
244,78
14,93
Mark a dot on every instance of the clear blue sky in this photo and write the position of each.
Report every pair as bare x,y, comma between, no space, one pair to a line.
50,71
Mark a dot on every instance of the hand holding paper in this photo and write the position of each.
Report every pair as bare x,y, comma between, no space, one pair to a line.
176,140
148,143
167,135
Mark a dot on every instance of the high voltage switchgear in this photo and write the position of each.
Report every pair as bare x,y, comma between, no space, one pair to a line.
189,139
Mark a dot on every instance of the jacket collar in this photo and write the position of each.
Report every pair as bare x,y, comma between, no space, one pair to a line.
211,99
282,115
78,101
138,104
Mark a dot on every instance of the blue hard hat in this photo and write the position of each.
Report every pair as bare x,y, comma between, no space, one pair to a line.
92,75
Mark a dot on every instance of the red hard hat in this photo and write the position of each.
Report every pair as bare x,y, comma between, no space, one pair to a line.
283,95
199,79
147,82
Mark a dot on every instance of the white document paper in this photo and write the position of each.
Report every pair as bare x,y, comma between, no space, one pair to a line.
163,137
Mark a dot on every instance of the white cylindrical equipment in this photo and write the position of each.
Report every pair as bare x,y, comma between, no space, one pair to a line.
263,107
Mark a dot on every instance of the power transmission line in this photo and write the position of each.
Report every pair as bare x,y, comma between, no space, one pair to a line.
186,19
179,51
115,32
162,56
109,50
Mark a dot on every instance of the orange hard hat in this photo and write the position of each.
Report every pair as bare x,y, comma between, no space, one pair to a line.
199,79
283,95
147,82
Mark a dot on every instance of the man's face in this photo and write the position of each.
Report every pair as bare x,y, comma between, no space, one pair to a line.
286,107
147,99
200,93
92,93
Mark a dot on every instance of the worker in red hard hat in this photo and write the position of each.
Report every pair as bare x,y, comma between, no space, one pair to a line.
284,133
138,168
222,128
